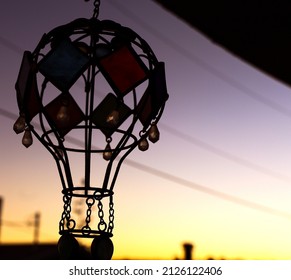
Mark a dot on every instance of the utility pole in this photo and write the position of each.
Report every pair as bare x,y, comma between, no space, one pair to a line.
188,251
36,227
1,209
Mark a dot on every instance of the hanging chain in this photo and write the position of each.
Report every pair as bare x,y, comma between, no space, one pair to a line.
101,225
111,215
96,7
90,202
66,215
67,223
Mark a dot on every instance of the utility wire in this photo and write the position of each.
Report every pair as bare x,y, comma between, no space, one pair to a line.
186,183
190,56
218,74
184,52
177,133
194,141
13,47
212,70
207,190
171,130
13,224
224,154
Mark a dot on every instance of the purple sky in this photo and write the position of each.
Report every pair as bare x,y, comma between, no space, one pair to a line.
225,140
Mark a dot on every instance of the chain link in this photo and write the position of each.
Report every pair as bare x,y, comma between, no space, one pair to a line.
66,215
111,215
67,222
96,8
101,225
86,229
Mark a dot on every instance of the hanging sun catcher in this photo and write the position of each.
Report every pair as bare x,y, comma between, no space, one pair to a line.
90,92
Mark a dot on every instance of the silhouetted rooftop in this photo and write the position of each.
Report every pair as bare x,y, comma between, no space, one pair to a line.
42,251
256,31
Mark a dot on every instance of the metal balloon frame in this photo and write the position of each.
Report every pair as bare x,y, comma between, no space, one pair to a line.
90,55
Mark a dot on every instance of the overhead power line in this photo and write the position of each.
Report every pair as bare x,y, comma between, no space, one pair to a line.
6,43
184,182
184,52
210,191
212,70
194,141
209,68
246,163
198,61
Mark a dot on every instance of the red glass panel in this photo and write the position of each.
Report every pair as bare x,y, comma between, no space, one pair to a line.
123,69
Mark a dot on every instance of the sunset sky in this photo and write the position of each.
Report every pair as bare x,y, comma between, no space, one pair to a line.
220,176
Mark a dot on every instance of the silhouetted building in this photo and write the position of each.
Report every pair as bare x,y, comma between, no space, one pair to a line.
187,251
42,251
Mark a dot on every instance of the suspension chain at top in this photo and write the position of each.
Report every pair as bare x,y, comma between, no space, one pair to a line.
96,8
